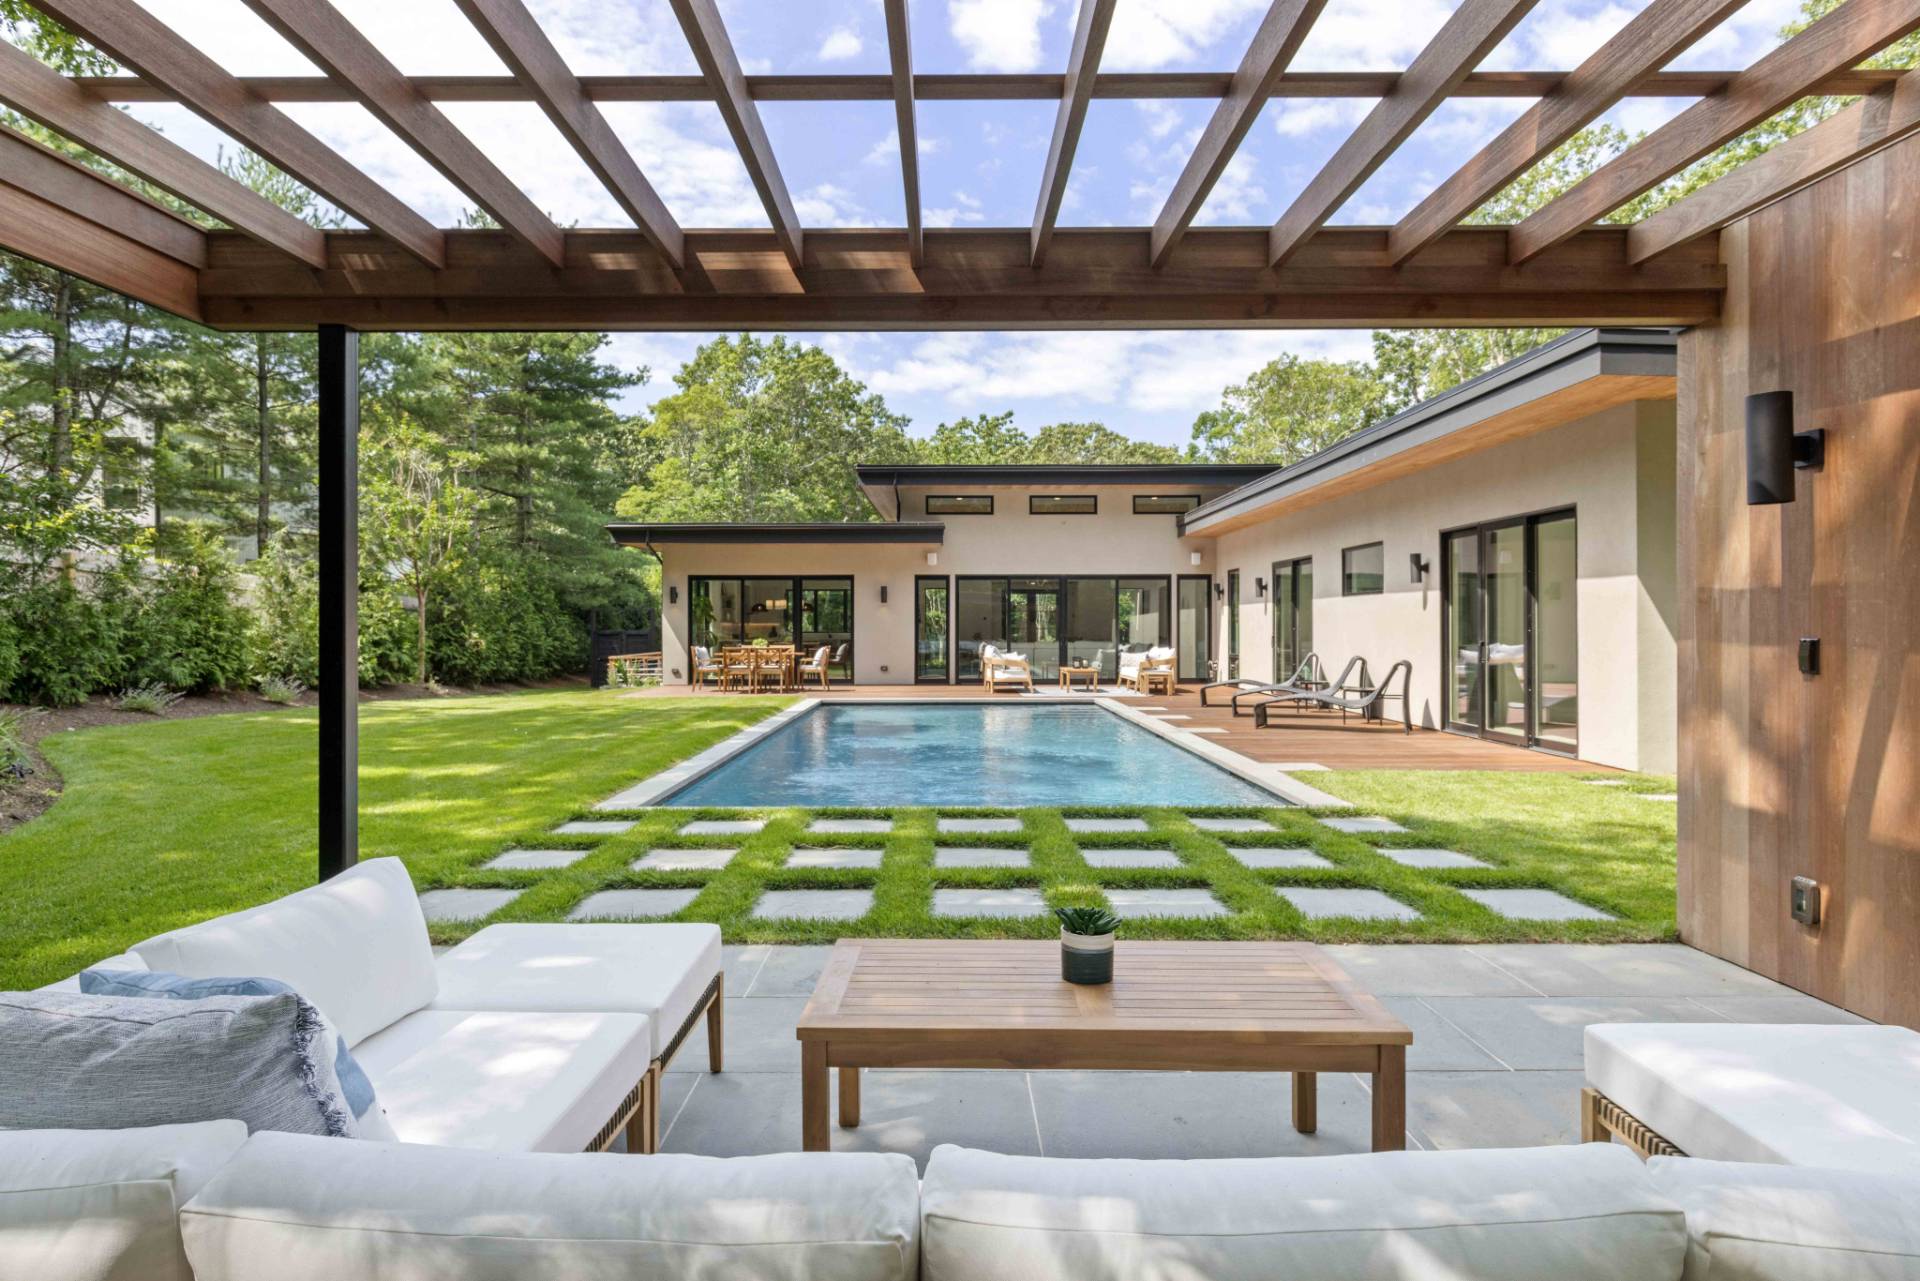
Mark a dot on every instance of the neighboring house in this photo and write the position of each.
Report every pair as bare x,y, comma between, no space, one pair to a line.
123,481
1513,539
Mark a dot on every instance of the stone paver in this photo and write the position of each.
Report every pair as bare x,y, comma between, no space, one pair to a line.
1430,858
1320,904
1106,825
844,826
826,857
956,825
1232,824
534,860
1604,782
723,827
988,903
631,905
1535,905
813,905
463,904
683,860
1658,796
979,856
1130,858
595,827
1254,856
1358,825
1132,904
1624,969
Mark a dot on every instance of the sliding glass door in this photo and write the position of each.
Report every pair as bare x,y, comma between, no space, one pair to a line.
931,632
1233,624
1193,628
1510,631
1033,623
1292,615
1556,649
1087,621
808,612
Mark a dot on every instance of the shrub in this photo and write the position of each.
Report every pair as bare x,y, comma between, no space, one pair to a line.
502,620
152,698
67,642
14,760
284,640
284,690
9,653
187,629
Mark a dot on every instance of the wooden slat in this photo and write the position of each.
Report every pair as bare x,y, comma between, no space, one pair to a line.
66,184
1468,35
1655,34
40,93
1089,41
47,232
713,50
1279,37
1845,36
517,39
329,40
900,54
1868,125
134,37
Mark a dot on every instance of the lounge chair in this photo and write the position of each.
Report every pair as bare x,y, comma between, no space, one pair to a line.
1363,703
996,665
815,666
1308,675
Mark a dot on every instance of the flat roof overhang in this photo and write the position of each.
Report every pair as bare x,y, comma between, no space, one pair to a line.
921,533
1571,377
881,481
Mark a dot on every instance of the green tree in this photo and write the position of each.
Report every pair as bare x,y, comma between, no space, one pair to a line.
1288,409
416,520
979,440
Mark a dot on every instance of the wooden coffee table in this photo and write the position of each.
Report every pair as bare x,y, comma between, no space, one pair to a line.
1072,672
1175,1007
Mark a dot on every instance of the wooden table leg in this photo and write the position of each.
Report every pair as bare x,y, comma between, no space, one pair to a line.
813,1097
1306,1102
716,1024
849,1097
1390,1100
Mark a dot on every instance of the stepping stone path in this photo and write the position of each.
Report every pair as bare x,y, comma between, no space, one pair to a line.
834,858
978,825
1604,782
1130,858
1535,905
1253,856
813,905
1431,858
631,905
534,860
683,860
1133,904
464,905
975,856
844,826
1657,796
1232,824
1371,905
723,827
595,827
1106,825
988,903
1357,825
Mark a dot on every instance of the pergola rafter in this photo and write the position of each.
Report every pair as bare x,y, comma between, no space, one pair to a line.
1089,42
900,54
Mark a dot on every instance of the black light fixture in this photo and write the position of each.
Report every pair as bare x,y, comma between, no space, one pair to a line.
883,593
1219,591
1416,567
1775,451
673,595
1259,587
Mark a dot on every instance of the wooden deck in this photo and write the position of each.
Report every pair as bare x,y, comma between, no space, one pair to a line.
1316,738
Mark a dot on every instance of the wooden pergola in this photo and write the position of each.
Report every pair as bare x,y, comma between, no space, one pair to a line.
261,268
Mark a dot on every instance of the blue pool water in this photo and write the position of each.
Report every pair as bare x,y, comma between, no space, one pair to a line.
966,754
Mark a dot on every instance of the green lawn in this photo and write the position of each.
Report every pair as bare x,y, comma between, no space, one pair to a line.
172,822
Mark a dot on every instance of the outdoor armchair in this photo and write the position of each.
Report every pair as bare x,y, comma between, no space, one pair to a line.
997,665
705,665
815,666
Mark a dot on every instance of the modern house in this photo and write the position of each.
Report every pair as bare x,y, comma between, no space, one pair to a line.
1512,539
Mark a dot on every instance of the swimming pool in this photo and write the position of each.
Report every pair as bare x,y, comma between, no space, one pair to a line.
875,754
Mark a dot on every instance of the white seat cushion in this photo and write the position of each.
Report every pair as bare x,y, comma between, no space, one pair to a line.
355,946
506,1082
125,961
1751,1222
1568,1213
103,1205
1847,1097
308,1212
660,971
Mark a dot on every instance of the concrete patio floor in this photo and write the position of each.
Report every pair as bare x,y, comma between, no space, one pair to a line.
1495,1062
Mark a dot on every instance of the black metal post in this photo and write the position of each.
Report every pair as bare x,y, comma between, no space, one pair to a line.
339,477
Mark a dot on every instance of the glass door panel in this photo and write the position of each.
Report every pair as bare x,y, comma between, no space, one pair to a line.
1233,624
768,610
826,618
1090,628
1555,666
1465,611
1141,614
1504,582
1193,632
930,630
1292,615
1033,623
979,618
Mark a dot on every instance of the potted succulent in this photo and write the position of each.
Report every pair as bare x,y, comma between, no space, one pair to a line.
1086,944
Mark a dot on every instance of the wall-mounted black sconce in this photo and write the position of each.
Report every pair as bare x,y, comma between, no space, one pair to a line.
1219,591
673,595
883,593
1416,567
1259,587
1775,451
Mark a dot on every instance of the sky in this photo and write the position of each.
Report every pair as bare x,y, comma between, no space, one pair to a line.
980,161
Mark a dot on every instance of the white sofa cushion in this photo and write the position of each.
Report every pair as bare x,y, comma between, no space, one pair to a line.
1793,1223
304,1212
103,1205
1567,1213
125,961
506,1082
1847,1097
356,946
660,971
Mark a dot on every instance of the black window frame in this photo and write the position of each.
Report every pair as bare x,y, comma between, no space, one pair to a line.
1192,501
1346,574
931,499
1093,499
920,583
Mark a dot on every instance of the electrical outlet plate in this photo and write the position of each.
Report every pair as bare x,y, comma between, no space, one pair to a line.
1804,900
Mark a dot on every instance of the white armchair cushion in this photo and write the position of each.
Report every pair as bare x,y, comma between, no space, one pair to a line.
1750,1222
355,946
303,1212
103,1205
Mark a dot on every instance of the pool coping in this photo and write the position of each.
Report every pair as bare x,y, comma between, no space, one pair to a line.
647,793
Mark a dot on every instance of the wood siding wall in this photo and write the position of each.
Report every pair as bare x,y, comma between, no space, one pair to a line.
1781,774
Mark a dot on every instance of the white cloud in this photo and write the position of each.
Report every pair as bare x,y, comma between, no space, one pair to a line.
829,205
1149,34
999,35
1302,117
841,44
1371,35
965,208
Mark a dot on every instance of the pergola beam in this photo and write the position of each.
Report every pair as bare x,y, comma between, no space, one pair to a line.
1089,41
1845,36
328,39
1650,38
900,55
518,41
46,231
1874,122
713,50
67,184
134,37
1278,38
1468,35
40,93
